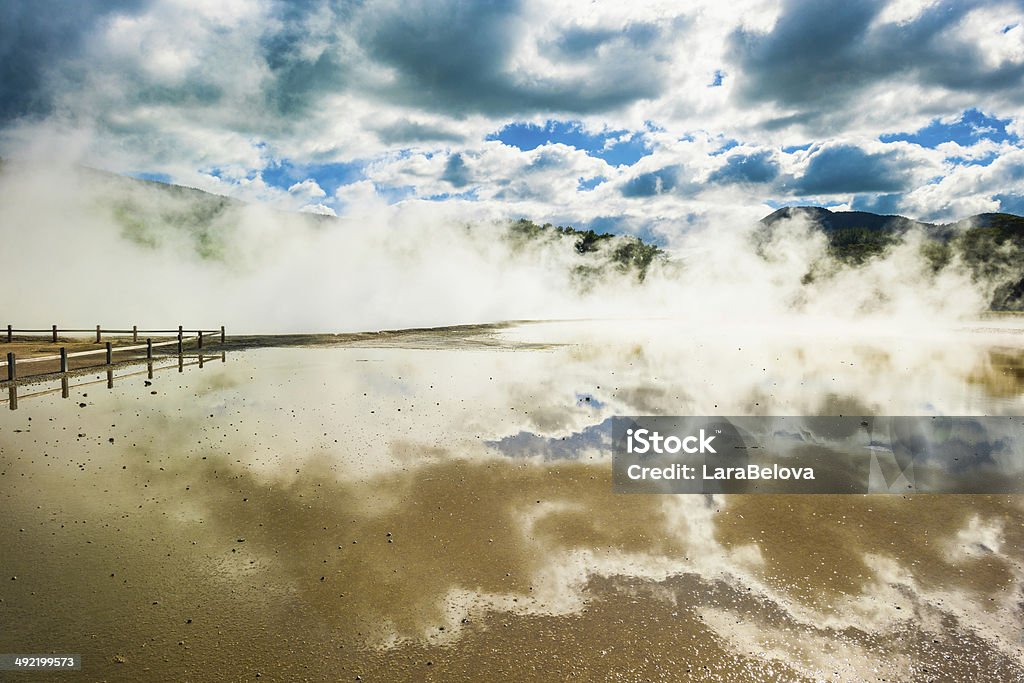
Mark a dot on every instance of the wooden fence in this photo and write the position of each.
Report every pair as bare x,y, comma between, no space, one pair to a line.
65,384
12,362
54,330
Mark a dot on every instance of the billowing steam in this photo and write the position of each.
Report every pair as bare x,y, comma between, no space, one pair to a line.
81,248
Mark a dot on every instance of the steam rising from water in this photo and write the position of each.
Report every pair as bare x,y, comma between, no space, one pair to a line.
84,247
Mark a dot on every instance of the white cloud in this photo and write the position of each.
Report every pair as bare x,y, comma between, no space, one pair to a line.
307,189
903,11
360,198
212,95
967,190
321,209
995,32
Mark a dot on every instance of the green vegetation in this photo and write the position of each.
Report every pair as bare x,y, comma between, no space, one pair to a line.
626,253
201,222
992,246
989,245
937,253
855,246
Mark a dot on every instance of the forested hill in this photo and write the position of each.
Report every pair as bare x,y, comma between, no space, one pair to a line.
991,245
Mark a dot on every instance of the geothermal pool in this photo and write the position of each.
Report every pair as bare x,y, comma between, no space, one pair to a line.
439,507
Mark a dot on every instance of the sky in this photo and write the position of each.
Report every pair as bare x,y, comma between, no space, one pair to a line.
644,118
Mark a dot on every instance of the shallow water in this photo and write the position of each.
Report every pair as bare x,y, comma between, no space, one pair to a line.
443,510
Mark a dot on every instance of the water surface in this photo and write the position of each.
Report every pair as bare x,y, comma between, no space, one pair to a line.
442,509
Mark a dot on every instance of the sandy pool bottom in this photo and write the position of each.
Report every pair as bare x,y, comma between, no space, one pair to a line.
407,514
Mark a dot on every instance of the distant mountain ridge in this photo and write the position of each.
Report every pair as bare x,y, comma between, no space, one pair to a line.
152,214
990,245
832,221
836,220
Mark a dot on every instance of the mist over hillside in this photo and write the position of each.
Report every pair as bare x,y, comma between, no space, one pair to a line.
988,244
141,250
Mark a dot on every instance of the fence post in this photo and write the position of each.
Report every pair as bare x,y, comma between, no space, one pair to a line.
12,372
200,339
63,359
179,341
109,353
10,336
149,349
54,334
135,334
221,334
98,338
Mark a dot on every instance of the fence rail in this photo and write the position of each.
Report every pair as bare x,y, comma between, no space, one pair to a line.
12,362
100,331
65,385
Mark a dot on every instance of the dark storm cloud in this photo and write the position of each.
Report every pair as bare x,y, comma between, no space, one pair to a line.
455,171
759,167
298,81
662,181
885,204
547,160
38,38
457,58
197,91
820,55
448,57
580,42
805,56
405,131
848,168
298,78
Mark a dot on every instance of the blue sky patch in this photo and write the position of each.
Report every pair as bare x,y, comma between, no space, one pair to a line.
330,177
972,126
470,195
757,167
623,225
604,224
885,204
776,204
527,136
977,161
726,146
395,194
1011,203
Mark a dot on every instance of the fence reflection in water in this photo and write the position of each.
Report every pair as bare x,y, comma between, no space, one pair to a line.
152,366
